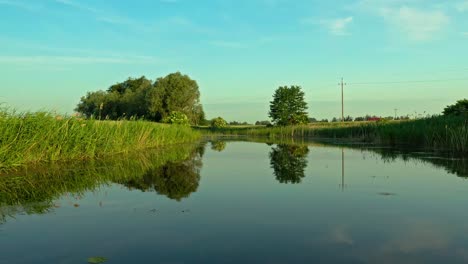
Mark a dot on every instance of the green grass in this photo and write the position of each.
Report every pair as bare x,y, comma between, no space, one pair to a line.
41,137
436,133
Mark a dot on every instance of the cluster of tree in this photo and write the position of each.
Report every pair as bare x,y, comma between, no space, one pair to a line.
315,120
236,123
288,106
263,123
141,98
369,118
457,109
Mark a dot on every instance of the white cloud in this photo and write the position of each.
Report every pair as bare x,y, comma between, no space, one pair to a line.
416,24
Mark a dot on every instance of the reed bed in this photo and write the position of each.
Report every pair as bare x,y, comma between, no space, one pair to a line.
41,137
443,133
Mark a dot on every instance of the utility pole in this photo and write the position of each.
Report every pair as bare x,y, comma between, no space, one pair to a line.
342,99
396,113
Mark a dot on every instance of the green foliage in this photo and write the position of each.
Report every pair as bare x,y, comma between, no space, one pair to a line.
218,122
288,106
176,118
139,98
38,137
175,92
459,108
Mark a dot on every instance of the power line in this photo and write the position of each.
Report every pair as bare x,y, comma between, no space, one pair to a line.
414,81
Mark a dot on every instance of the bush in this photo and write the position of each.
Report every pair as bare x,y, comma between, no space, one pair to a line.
460,108
218,122
177,118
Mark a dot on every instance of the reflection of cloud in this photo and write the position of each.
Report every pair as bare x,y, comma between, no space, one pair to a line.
412,244
418,238
340,236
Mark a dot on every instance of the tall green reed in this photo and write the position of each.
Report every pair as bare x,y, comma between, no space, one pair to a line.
42,136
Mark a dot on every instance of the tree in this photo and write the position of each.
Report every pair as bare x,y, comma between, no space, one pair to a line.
175,92
459,108
288,106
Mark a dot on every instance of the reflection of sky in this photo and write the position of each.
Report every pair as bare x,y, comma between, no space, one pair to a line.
240,212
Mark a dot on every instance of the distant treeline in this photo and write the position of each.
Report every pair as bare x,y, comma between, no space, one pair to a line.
142,98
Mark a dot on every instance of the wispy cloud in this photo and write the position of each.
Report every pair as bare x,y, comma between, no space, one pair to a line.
101,15
337,27
18,4
415,19
169,1
465,34
462,6
68,60
77,5
227,44
416,24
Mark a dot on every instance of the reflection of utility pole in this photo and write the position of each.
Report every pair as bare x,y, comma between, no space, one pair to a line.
342,170
342,99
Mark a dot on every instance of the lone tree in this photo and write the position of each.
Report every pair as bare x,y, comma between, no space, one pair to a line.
288,106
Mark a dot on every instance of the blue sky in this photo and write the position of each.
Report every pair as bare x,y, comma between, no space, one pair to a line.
411,55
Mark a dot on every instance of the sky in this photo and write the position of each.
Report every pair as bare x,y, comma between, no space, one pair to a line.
409,55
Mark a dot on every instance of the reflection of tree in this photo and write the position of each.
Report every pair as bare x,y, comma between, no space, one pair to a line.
176,180
218,145
173,171
289,162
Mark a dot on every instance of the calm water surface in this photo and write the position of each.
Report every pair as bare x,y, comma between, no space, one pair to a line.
238,202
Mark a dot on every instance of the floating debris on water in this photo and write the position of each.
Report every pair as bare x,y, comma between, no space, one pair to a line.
96,260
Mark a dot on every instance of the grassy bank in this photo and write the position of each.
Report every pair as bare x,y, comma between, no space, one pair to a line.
437,133
40,137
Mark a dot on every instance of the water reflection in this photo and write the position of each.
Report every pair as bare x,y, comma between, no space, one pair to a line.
173,172
218,145
289,162
175,179
452,164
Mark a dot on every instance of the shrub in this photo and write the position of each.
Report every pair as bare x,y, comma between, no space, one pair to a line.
218,122
177,118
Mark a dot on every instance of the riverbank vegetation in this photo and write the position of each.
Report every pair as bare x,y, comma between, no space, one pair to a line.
42,137
444,133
